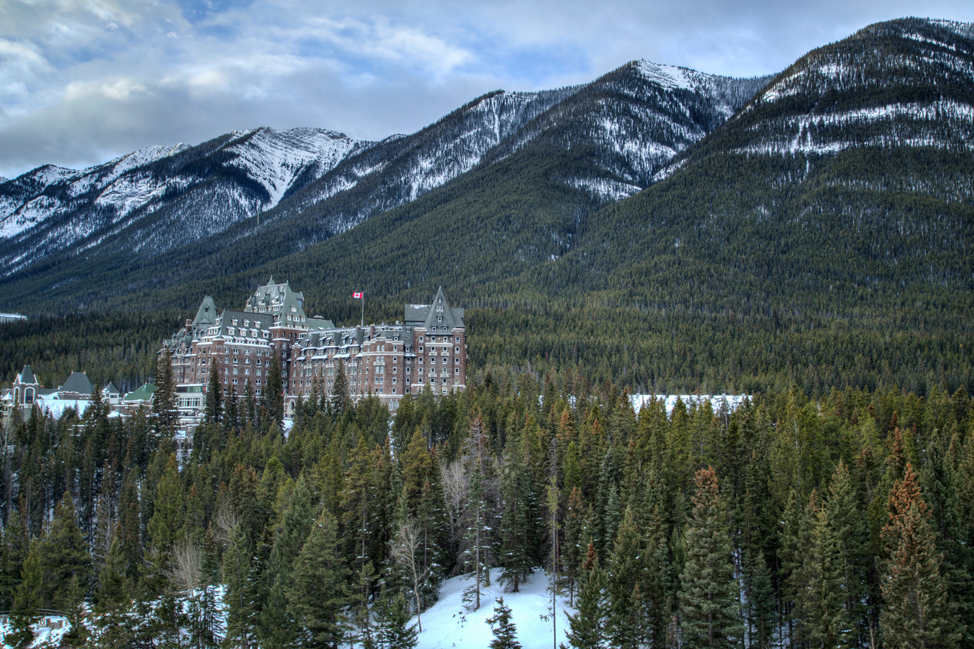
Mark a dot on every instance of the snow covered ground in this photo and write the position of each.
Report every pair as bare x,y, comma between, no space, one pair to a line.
717,401
47,633
447,624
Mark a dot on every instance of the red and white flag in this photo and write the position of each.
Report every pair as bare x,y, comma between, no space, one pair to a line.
357,296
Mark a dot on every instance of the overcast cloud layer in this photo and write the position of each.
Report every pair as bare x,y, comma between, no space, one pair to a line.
83,81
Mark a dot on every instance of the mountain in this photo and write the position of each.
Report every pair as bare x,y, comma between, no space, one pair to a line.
667,229
159,197
320,183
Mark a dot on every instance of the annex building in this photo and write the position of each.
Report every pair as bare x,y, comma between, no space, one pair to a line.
427,349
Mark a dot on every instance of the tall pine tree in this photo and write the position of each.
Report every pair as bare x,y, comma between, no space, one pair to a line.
709,589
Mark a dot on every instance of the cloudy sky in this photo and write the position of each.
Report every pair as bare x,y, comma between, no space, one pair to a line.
83,81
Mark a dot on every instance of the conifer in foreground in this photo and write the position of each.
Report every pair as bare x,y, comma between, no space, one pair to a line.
708,598
505,633
915,609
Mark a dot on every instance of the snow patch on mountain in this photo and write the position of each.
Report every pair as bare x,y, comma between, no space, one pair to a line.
603,188
275,158
812,133
668,76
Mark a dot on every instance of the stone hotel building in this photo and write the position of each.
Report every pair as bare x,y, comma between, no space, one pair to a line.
427,349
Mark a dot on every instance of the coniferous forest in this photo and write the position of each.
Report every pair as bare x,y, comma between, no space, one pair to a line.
845,520
812,250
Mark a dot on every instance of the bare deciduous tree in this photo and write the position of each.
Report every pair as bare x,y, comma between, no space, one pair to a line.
404,548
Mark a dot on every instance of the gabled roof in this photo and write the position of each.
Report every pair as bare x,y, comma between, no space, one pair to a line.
441,315
109,389
206,314
78,383
142,394
276,299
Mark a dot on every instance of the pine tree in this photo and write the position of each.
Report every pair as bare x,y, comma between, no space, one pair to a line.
586,627
213,412
274,390
475,553
315,596
915,611
626,615
393,630
339,390
65,562
164,405
505,633
516,490
277,627
708,597
26,601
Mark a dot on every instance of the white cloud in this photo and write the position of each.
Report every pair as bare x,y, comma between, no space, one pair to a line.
84,80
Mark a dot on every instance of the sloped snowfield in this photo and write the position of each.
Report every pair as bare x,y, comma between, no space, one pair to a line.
448,624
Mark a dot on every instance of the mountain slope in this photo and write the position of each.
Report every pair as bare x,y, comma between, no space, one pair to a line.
613,133
159,198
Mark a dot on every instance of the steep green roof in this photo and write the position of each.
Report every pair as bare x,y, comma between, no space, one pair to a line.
142,394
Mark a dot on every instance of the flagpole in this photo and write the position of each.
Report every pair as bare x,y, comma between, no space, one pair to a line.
363,309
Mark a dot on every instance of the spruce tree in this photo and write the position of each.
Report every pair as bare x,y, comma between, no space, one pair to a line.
586,627
393,630
26,601
625,625
516,490
709,590
231,410
241,598
15,547
474,557
916,611
213,412
273,392
505,633
850,531
829,623
277,628
315,597
65,562
164,404
340,398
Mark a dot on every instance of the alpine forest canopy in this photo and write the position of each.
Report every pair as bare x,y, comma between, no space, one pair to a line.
805,240
846,520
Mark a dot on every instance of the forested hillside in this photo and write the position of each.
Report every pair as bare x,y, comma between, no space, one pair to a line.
842,521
